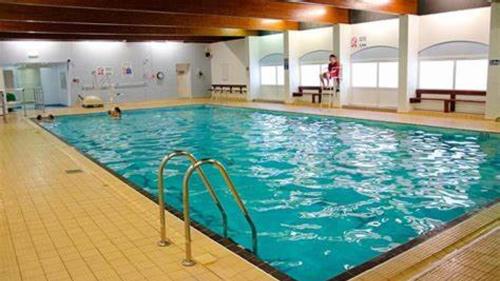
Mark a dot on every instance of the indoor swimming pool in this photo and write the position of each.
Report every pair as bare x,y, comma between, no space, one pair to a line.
326,193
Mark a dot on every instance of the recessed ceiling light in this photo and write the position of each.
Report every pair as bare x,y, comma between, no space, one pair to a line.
315,12
376,2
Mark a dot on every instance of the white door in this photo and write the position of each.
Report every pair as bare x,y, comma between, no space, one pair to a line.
183,80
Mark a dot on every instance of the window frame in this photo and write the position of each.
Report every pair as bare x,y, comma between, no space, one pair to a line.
276,73
454,59
319,64
378,62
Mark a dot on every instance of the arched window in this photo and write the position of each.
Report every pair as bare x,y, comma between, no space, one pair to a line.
312,65
271,70
375,67
461,65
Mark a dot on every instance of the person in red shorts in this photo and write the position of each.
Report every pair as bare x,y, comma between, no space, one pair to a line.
333,74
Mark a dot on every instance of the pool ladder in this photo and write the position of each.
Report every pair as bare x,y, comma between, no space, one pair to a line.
196,165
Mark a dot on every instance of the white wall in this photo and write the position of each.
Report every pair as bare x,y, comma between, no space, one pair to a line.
304,42
377,33
268,45
229,62
466,25
146,58
315,40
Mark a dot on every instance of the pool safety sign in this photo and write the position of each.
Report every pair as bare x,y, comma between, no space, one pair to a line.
358,42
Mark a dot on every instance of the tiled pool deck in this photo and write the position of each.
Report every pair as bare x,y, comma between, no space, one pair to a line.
63,217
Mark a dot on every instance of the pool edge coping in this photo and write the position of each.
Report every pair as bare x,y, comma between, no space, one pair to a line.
248,255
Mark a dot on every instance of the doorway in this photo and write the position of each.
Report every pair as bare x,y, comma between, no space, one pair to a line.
183,71
49,79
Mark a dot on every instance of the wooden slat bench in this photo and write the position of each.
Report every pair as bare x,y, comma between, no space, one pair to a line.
314,91
228,89
450,100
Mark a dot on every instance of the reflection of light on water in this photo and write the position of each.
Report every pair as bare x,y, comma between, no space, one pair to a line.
317,188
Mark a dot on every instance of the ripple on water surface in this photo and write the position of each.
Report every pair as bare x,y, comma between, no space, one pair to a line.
326,194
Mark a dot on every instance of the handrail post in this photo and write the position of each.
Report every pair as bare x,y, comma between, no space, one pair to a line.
239,202
188,260
161,194
161,203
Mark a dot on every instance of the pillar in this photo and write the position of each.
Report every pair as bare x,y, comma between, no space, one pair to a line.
253,69
493,90
292,67
408,60
342,49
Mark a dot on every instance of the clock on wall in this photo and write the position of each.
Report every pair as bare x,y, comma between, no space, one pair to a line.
160,75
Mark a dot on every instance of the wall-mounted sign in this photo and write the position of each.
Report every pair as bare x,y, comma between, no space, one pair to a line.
99,71
127,70
495,62
358,42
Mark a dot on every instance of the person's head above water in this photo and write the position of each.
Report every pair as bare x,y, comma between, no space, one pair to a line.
118,110
333,58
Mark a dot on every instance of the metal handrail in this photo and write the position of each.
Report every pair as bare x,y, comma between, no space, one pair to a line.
161,195
188,261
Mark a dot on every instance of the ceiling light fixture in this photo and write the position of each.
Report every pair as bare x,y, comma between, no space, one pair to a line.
376,2
315,12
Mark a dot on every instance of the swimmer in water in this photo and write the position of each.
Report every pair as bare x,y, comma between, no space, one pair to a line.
49,118
116,113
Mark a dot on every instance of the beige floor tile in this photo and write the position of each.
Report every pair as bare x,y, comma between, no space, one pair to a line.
91,226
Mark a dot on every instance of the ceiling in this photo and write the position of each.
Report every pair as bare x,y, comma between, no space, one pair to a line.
202,21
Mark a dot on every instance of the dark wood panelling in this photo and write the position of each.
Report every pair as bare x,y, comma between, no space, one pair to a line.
357,16
237,8
14,26
56,14
118,37
391,7
440,6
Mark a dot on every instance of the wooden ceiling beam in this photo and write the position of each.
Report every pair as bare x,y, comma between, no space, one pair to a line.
16,12
36,27
379,6
113,37
236,8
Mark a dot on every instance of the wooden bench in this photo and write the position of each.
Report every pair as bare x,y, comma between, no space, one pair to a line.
314,91
450,100
216,89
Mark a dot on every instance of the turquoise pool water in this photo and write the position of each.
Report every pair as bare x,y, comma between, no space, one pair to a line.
326,194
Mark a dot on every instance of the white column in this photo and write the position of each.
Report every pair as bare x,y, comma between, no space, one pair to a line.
408,60
342,49
291,57
253,69
3,103
2,82
493,91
